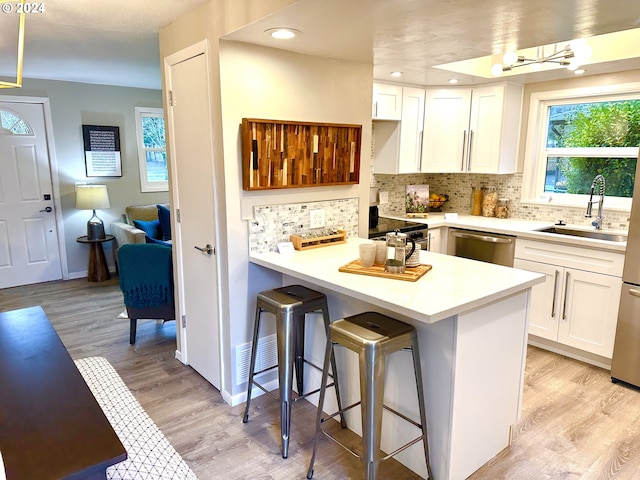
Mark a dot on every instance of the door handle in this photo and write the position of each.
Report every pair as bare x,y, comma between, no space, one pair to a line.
634,292
566,291
555,291
48,210
481,238
464,147
469,153
208,249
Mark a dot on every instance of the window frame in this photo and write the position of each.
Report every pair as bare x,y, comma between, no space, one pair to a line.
145,185
536,152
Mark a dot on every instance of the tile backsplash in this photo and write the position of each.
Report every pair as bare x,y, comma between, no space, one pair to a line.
272,224
458,187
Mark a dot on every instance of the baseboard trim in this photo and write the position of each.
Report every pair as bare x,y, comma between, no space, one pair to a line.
239,398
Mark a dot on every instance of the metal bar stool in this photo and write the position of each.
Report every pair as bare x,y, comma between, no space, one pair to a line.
289,305
372,336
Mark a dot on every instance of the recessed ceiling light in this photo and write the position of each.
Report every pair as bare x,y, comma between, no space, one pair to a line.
579,71
282,33
396,74
453,81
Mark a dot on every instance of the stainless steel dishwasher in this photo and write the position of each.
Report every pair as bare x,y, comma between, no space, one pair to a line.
483,246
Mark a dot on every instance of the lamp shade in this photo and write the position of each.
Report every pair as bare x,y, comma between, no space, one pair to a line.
91,197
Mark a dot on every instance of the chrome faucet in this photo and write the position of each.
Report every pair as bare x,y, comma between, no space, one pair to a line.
598,221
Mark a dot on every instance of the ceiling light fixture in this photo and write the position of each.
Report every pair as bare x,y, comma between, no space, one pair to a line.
20,55
396,74
571,57
282,33
453,81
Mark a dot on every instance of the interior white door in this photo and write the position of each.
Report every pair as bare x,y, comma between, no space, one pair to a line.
29,250
189,128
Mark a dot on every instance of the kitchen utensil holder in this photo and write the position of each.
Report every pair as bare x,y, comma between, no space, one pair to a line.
304,243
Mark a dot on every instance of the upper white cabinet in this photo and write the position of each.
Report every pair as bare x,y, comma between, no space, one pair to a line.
444,144
472,130
398,145
387,101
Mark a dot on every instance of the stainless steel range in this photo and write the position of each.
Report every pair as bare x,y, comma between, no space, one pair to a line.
419,232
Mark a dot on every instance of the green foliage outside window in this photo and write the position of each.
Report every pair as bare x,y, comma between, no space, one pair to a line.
602,124
153,138
153,132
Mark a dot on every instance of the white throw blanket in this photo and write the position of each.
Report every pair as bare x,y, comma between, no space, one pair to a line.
150,455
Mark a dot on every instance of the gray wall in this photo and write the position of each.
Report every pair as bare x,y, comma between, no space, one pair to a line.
75,104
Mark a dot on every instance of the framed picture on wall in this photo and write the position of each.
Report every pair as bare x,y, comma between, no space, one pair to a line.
102,151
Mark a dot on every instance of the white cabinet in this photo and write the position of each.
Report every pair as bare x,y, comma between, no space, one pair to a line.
387,101
434,243
577,305
398,145
446,123
472,130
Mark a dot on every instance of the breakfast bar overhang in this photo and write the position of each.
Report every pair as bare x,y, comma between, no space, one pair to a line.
471,319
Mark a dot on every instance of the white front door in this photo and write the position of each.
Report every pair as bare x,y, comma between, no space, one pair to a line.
29,250
189,128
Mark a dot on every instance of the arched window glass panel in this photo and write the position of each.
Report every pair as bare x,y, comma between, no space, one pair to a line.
14,124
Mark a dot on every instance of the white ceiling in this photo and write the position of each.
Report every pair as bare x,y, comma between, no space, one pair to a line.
115,42
112,42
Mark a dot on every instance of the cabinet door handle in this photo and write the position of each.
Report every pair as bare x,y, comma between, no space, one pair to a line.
634,292
375,109
464,148
420,151
469,154
429,242
566,290
555,291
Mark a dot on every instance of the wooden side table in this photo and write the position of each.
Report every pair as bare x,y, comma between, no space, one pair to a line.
98,270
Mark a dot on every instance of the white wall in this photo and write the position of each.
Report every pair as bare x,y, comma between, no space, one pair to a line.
258,82
77,104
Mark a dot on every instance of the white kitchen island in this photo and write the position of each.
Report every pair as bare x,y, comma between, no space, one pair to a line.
471,319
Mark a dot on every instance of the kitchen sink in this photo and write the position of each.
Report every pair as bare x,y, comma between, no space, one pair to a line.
596,234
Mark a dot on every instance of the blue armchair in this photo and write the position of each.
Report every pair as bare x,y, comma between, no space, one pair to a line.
146,281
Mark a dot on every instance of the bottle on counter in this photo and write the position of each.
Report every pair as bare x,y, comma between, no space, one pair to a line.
489,202
502,210
476,200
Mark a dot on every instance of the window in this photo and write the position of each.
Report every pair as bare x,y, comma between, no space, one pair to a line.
152,150
581,134
13,124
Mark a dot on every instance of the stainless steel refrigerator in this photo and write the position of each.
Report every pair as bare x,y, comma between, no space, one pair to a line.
625,365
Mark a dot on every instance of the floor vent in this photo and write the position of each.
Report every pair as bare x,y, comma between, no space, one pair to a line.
267,356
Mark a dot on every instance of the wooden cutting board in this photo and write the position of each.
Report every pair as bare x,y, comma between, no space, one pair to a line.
411,274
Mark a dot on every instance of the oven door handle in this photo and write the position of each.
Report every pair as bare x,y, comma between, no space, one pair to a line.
482,238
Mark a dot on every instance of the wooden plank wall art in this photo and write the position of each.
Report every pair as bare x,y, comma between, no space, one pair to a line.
280,154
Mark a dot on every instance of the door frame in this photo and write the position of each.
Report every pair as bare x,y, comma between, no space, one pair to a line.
182,354
53,170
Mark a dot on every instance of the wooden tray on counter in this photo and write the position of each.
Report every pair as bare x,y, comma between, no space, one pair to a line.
411,274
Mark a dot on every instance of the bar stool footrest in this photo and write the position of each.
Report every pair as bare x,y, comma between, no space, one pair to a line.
392,454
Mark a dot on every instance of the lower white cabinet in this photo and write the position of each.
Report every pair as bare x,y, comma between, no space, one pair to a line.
577,307
434,243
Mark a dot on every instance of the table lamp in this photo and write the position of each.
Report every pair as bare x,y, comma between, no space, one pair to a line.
90,197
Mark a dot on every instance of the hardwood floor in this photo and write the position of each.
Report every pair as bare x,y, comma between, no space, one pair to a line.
575,423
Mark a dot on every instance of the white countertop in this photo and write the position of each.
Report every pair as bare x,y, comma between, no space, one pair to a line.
453,286
520,228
